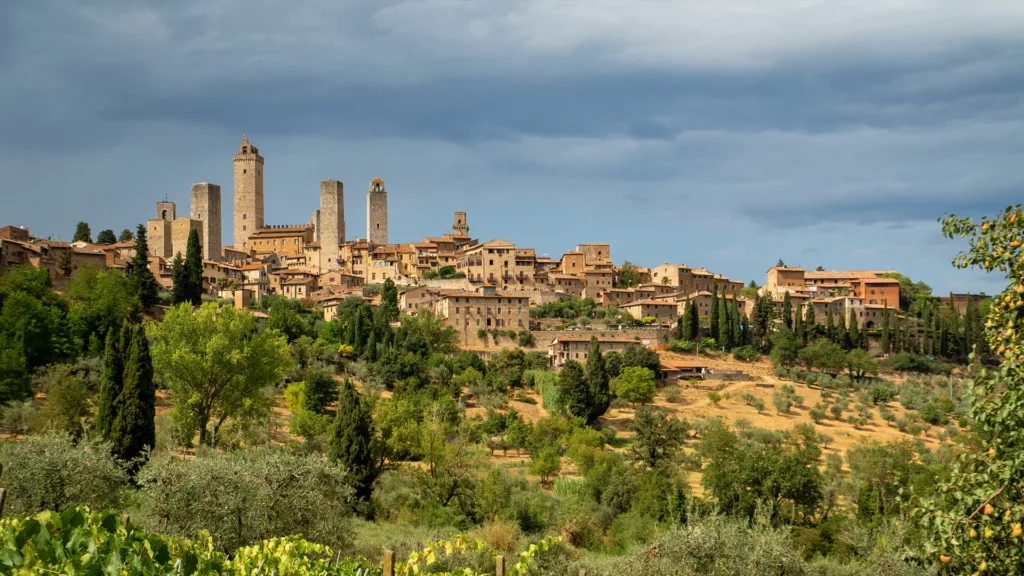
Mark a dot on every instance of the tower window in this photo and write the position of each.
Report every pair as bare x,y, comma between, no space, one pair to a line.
243,170
164,215
378,226
243,216
243,228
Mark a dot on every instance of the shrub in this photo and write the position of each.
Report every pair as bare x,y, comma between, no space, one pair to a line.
51,473
714,397
817,414
781,372
672,394
931,413
837,411
746,354
245,497
782,402
881,394
17,417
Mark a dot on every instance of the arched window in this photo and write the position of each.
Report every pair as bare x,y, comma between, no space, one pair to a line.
243,216
164,214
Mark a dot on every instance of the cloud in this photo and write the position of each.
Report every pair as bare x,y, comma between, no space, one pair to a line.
676,130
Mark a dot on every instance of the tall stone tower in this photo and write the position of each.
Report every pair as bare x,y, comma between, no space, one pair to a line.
206,208
248,193
332,222
377,213
460,227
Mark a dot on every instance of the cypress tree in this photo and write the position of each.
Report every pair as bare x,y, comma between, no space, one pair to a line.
842,336
735,334
787,311
111,383
572,388
597,382
830,324
713,318
744,330
351,441
810,324
897,337
194,269
723,325
358,337
133,431
852,335
885,330
371,345
691,320
798,326
142,277
179,280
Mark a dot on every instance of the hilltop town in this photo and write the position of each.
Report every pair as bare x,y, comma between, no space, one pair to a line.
482,289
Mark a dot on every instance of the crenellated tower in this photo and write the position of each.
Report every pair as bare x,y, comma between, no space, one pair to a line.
248,193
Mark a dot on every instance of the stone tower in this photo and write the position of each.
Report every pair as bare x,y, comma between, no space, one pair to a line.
332,222
159,229
166,211
248,193
377,213
206,208
460,227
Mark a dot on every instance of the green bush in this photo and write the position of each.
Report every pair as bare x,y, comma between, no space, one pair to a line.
246,497
746,354
51,473
547,384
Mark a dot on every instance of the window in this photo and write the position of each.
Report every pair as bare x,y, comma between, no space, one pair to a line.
243,170
243,230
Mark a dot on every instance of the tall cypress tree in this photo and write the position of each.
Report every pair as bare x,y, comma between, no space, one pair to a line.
691,320
842,336
713,317
371,345
351,441
572,389
723,325
787,311
142,277
897,336
194,269
830,324
799,327
111,382
886,344
744,330
596,374
179,280
852,333
735,334
133,431
810,324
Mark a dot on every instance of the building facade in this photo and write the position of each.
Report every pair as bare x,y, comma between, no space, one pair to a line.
248,193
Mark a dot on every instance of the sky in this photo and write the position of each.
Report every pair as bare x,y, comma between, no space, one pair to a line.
722,134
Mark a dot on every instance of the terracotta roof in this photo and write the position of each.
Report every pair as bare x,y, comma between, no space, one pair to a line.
677,364
582,338
822,274
253,266
649,301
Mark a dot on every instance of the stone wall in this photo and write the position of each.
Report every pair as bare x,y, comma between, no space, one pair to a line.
179,235
159,238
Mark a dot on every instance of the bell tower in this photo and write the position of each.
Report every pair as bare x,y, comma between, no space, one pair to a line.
377,213
248,193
